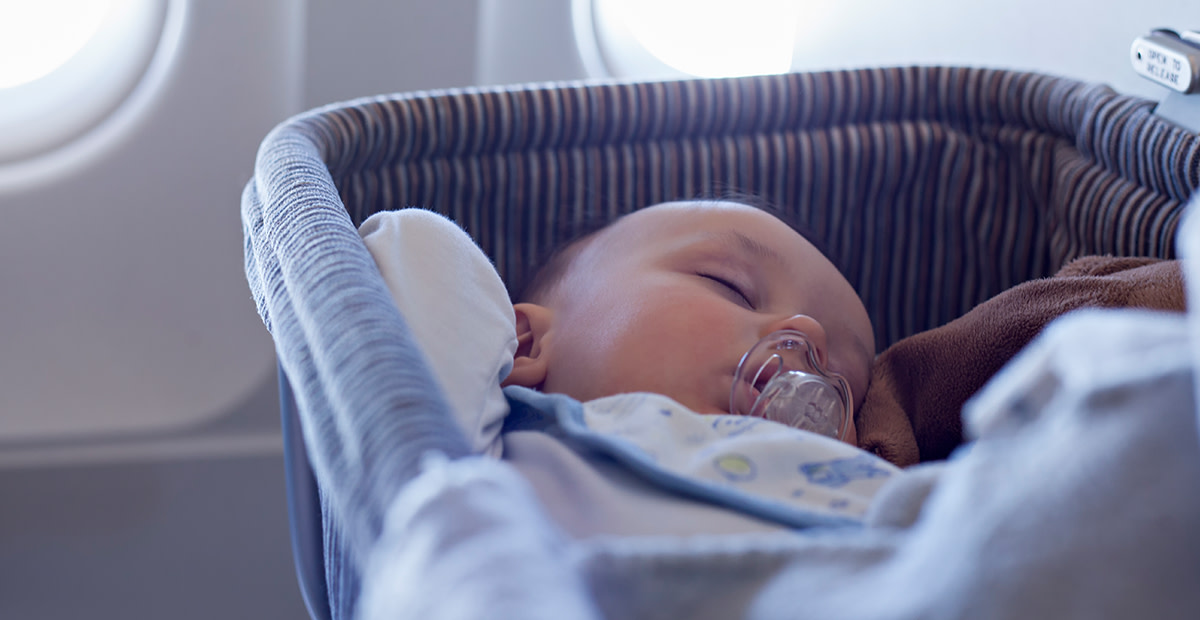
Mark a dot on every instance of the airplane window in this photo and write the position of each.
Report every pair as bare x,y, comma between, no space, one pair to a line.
66,64
701,38
39,37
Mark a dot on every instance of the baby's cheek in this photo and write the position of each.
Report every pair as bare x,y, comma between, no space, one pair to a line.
611,357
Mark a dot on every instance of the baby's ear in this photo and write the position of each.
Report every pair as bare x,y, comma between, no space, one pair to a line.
530,362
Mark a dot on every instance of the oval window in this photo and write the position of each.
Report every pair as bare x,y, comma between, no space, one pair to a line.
66,64
692,38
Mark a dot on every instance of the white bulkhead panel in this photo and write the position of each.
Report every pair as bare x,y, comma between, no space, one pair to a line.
123,308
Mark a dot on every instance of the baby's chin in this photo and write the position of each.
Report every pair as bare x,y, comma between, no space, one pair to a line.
696,405
708,409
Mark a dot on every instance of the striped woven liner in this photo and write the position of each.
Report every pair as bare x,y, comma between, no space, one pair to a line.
932,188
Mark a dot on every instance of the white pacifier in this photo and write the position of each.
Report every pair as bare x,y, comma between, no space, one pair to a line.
781,379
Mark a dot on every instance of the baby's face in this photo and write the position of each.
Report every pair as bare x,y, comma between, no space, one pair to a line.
669,298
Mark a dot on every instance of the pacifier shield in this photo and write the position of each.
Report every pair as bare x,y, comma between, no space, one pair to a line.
782,379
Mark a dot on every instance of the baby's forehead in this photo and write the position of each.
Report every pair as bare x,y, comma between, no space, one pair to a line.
685,212
694,221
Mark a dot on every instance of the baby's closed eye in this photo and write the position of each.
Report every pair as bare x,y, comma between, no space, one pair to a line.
730,289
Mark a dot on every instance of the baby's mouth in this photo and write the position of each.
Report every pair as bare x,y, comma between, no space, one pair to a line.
768,371
751,392
752,384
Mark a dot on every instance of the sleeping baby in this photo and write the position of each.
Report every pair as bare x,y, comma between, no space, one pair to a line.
691,367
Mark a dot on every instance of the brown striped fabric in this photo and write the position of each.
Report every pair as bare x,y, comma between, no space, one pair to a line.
933,188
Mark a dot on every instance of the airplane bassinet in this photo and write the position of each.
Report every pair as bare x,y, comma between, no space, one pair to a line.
932,188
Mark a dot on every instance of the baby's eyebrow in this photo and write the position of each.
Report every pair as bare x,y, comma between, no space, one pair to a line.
748,245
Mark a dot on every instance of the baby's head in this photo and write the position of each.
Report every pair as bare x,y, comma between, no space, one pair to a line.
667,300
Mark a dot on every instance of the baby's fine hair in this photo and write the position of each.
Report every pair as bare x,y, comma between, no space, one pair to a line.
552,264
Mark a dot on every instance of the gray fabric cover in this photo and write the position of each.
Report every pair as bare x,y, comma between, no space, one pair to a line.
957,183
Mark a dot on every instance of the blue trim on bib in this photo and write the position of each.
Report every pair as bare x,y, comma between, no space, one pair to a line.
561,415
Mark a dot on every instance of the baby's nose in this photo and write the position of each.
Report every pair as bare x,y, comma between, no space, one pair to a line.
809,327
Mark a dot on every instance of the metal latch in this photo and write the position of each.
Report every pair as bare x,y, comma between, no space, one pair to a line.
1172,58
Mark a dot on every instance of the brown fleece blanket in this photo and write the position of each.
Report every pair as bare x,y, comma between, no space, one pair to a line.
913,407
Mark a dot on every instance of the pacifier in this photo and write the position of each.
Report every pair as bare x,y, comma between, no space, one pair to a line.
781,379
